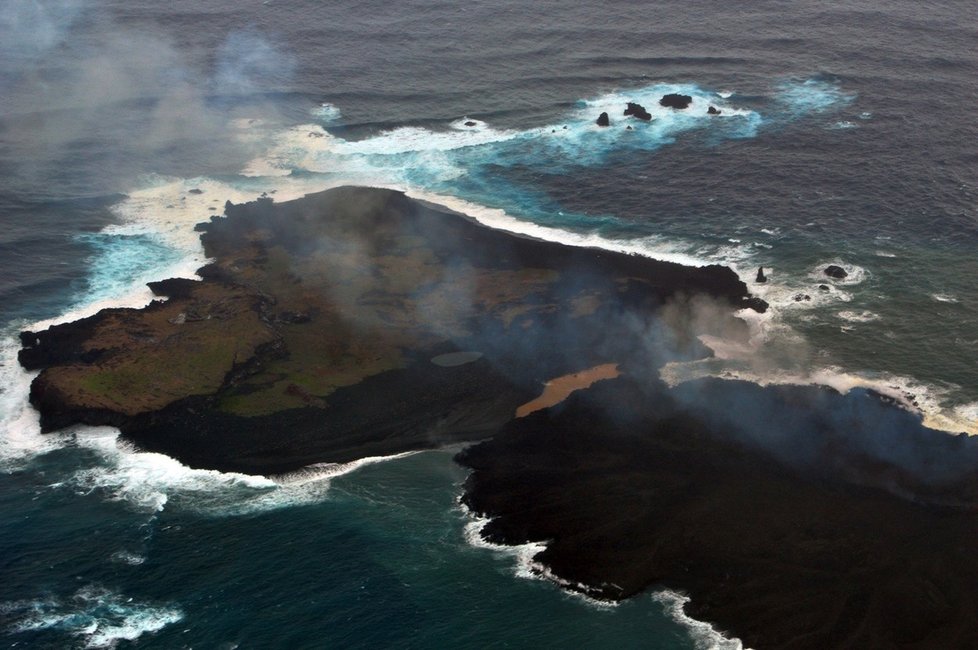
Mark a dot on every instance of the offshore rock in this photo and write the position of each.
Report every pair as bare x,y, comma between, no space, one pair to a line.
836,272
675,100
638,111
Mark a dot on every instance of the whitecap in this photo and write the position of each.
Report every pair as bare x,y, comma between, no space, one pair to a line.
812,96
843,125
326,113
128,557
944,297
884,254
101,618
864,316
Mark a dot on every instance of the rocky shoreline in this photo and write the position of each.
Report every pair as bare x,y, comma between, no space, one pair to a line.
356,322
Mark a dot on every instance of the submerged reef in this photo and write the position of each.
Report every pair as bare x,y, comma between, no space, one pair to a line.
357,322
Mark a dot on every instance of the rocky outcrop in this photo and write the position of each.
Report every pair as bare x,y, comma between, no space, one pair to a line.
836,272
638,111
603,120
675,100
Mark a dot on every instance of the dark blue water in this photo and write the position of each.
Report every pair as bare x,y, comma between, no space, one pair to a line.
845,137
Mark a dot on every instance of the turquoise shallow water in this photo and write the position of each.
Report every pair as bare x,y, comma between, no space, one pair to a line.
845,139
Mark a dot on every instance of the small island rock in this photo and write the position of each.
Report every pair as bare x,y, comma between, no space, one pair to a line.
675,100
836,272
637,110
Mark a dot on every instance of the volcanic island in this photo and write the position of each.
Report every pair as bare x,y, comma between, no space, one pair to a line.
358,322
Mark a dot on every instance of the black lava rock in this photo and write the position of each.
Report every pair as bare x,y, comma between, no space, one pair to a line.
637,110
674,100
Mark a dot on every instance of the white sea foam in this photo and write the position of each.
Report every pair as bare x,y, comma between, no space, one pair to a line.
326,113
98,617
128,557
655,247
525,564
20,430
705,636
864,316
150,482
944,297
811,96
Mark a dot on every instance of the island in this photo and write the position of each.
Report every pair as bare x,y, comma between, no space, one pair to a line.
358,322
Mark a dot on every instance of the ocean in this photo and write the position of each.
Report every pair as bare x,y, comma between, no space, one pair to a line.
845,137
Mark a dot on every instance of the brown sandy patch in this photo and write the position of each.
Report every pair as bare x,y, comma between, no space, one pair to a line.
557,390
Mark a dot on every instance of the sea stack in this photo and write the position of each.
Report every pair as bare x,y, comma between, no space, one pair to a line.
603,120
760,275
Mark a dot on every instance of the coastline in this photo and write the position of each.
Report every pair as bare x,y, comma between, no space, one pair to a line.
505,297
273,294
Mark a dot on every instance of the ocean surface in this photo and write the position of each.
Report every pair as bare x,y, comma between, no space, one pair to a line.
846,136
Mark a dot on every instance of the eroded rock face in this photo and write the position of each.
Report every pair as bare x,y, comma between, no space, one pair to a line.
310,337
